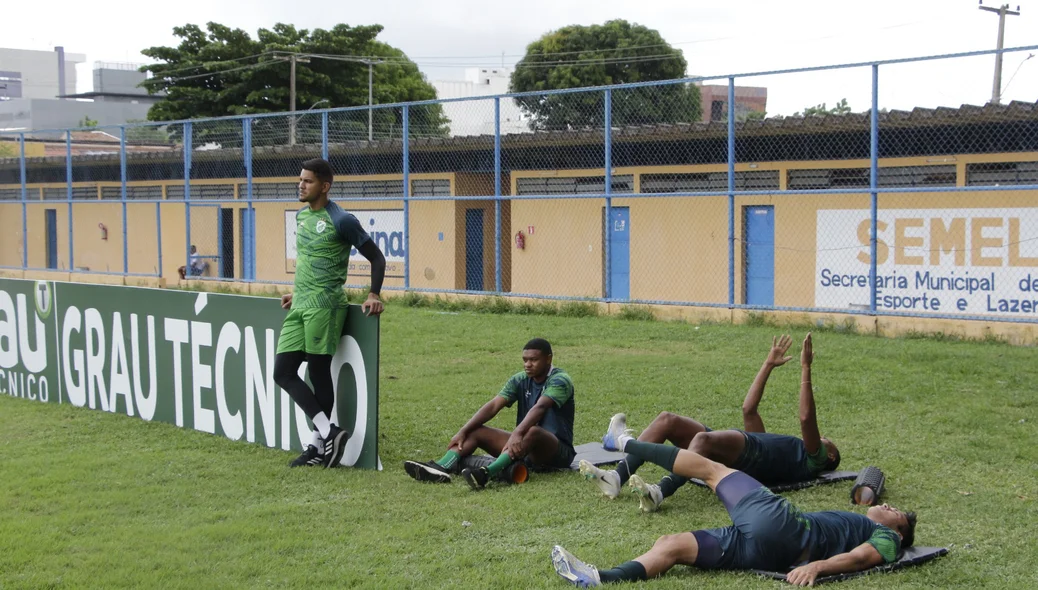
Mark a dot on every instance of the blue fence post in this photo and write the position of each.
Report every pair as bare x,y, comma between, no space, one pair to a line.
324,135
68,188
497,194
608,139
25,201
873,182
249,256
187,195
158,235
122,196
407,197
731,190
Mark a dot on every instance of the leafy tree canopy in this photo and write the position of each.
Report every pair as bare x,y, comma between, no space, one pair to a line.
616,52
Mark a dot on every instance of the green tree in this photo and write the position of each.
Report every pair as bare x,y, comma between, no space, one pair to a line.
841,108
222,71
9,149
616,52
87,122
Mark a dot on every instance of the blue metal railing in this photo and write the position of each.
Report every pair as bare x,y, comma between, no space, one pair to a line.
250,239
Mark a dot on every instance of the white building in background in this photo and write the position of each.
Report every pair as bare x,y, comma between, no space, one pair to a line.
117,97
25,73
476,117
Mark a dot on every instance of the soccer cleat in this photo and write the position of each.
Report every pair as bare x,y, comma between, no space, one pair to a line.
335,446
573,570
309,457
429,471
617,428
608,481
649,494
477,477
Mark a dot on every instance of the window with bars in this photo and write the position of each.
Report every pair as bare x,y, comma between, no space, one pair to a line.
367,189
1001,173
578,185
212,192
431,188
887,177
11,194
754,180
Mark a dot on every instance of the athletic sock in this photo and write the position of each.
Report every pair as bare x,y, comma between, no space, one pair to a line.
662,455
499,465
625,572
322,424
449,460
317,442
627,467
670,484
622,440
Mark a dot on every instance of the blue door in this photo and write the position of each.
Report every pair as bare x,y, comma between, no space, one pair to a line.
51,220
759,255
619,229
474,249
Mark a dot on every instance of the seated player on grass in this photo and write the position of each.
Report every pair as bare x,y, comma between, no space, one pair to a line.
767,457
767,531
543,434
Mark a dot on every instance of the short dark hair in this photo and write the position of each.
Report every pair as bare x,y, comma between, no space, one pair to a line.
833,463
908,534
321,169
539,344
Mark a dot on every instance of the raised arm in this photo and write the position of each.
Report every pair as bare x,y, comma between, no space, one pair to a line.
860,558
808,420
751,420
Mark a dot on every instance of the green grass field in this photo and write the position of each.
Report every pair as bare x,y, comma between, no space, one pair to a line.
95,500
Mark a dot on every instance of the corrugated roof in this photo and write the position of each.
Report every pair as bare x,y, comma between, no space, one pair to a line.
1014,112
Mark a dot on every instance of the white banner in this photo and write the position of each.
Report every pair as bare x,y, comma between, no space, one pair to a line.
946,261
386,228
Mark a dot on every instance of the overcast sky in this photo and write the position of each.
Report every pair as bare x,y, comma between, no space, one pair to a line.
717,38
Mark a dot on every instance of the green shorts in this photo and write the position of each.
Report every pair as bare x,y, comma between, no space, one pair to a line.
312,330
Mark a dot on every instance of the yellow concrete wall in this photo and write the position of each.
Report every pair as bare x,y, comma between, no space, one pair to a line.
173,239
563,255
142,236
92,252
11,234
679,248
433,259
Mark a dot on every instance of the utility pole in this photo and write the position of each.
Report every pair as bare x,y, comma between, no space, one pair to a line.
1002,11
371,77
292,61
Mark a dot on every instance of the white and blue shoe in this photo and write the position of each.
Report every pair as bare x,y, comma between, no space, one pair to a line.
617,428
573,570
608,481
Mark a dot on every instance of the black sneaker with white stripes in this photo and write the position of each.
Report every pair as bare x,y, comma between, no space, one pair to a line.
309,458
429,471
335,446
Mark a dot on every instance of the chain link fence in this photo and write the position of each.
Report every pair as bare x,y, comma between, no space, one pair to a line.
712,193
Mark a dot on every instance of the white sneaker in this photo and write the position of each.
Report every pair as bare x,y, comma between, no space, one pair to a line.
650,496
608,481
617,428
573,570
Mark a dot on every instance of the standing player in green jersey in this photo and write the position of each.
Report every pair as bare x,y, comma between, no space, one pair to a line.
317,306
543,434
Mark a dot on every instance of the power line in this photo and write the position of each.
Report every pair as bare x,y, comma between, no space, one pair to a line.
161,79
200,66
